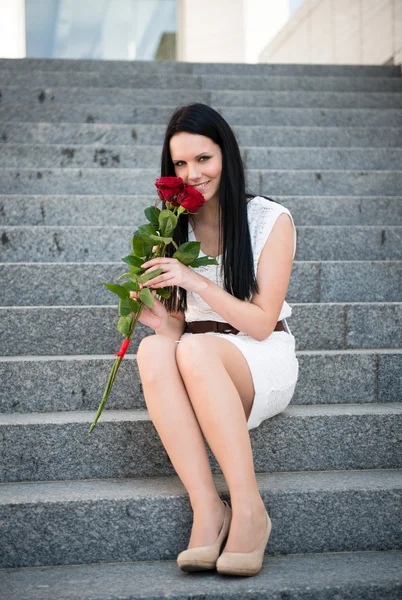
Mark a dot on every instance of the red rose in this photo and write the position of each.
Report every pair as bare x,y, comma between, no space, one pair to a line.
168,188
191,199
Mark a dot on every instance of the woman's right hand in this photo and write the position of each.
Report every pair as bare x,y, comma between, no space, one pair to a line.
154,317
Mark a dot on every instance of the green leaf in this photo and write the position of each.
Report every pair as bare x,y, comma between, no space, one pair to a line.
140,246
145,231
121,291
147,276
123,325
124,275
160,240
162,292
132,260
180,210
126,306
152,214
167,222
146,297
202,261
187,252
131,285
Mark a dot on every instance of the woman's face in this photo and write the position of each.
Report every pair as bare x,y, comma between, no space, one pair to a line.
197,160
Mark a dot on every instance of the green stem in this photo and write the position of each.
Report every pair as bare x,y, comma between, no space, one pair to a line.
114,370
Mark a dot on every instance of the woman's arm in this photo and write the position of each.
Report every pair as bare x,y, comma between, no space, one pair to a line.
258,317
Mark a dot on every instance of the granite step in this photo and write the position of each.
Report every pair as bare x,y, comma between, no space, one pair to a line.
161,81
72,95
75,522
366,575
54,330
153,115
50,284
251,135
141,181
69,210
56,446
104,244
76,382
146,66
27,156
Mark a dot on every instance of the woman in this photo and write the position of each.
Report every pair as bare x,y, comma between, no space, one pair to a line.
221,360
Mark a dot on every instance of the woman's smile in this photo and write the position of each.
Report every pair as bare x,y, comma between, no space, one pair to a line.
200,186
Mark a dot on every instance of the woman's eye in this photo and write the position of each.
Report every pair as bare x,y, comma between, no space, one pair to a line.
179,165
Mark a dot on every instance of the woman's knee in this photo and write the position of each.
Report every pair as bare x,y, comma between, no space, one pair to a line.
155,351
194,354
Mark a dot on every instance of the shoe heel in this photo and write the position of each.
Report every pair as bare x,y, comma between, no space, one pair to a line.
204,557
245,563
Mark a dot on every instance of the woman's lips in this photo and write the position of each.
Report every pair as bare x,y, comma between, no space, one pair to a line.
201,187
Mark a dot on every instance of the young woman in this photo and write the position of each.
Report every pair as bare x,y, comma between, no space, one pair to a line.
222,359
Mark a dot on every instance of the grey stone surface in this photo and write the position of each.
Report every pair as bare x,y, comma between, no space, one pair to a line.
63,330
58,383
63,383
314,117
332,376
61,283
332,183
48,330
107,244
352,575
102,95
89,181
342,122
150,518
144,79
127,67
133,157
29,210
331,159
389,378
338,376
342,210
379,281
56,446
152,115
379,324
199,67
249,135
70,210
342,243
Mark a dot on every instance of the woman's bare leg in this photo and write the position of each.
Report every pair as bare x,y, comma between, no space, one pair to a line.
173,416
219,384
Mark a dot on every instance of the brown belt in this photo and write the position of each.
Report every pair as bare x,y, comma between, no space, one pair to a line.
204,326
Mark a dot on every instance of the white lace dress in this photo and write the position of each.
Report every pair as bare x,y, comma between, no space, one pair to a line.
272,362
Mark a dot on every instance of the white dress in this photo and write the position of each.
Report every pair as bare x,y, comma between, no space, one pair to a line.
272,362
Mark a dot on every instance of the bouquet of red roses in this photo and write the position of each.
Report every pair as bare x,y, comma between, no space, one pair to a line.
150,241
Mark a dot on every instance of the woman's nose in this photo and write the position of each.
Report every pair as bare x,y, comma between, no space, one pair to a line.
193,172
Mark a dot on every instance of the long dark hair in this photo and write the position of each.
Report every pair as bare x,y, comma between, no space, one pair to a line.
237,267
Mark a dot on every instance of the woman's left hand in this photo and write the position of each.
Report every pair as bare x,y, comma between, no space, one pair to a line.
175,274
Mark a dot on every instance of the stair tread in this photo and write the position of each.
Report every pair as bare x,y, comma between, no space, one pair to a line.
110,416
171,486
360,574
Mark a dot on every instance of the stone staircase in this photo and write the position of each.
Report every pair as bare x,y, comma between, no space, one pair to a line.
104,516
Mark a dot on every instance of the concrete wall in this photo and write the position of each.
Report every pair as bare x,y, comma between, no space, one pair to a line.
12,29
227,30
340,32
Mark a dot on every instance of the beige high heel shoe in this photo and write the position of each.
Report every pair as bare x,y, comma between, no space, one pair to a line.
205,557
244,563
